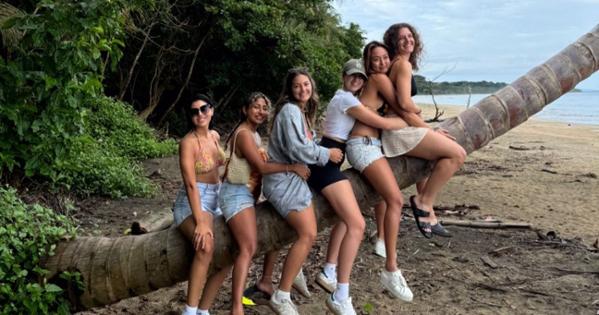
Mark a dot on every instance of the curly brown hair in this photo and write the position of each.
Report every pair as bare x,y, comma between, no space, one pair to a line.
391,39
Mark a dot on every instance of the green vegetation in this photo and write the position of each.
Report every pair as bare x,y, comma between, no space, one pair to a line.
458,87
27,234
56,125
228,48
69,70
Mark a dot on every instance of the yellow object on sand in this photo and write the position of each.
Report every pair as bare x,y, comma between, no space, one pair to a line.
247,301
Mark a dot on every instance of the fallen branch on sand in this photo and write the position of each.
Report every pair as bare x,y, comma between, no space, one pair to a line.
576,272
487,225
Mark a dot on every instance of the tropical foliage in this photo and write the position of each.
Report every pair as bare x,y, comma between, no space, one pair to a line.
227,48
56,125
27,235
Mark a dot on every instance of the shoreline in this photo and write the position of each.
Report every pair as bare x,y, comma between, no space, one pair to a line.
428,110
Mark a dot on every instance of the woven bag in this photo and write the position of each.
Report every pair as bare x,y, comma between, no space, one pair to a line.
237,170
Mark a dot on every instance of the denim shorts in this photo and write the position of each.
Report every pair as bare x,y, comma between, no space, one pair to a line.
287,192
363,151
233,198
208,199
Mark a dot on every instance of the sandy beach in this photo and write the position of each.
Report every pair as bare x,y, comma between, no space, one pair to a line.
541,173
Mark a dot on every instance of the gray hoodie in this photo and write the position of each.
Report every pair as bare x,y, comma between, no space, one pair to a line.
289,144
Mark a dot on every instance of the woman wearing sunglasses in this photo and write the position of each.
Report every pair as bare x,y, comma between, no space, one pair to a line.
196,205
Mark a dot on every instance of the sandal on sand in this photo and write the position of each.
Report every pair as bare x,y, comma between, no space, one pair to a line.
254,296
438,229
424,227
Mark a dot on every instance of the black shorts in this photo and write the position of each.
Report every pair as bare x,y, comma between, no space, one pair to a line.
323,176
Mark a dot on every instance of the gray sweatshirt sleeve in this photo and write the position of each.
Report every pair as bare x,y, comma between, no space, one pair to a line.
299,148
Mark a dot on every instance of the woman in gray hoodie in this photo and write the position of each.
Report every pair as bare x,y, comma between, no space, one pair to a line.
291,142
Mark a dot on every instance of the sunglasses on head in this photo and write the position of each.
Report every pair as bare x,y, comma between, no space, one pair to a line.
203,109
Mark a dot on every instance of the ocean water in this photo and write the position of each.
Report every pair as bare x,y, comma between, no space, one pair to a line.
571,108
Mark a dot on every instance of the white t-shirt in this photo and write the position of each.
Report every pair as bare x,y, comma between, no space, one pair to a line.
338,123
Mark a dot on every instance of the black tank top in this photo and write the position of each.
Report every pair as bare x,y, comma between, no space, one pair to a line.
414,88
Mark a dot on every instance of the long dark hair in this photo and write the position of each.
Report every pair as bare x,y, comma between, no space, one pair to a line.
194,98
391,39
254,96
367,52
287,95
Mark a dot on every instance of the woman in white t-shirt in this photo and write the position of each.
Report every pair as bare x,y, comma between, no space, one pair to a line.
342,112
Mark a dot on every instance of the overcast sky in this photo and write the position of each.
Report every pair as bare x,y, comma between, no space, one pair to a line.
493,40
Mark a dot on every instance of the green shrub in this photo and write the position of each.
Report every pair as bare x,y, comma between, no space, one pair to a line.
27,234
56,125
115,124
93,168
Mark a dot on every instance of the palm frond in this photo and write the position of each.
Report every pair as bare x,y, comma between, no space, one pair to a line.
10,36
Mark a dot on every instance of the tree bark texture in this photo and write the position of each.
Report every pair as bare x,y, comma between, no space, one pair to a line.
117,268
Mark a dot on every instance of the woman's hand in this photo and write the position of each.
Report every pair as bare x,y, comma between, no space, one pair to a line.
202,237
301,170
335,155
263,154
445,133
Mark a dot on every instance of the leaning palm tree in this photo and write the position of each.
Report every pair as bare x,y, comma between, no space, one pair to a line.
117,268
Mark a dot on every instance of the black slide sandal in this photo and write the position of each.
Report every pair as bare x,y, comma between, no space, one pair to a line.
419,213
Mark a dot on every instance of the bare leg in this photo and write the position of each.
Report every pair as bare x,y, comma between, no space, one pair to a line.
243,227
337,233
381,177
379,215
449,157
201,261
304,223
212,286
420,185
265,283
341,197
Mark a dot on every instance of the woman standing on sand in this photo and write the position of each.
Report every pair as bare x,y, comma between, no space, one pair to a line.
196,205
342,111
291,142
365,154
434,145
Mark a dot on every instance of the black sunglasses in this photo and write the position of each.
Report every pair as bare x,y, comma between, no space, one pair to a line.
203,109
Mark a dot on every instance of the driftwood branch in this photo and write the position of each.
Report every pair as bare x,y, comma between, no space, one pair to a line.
487,225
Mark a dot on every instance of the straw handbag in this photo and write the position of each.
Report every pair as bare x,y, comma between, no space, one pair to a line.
237,170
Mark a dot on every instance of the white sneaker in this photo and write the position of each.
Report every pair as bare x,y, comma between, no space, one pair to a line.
379,248
395,283
340,308
299,283
283,307
326,282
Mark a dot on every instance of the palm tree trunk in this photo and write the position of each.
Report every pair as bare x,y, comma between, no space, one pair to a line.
117,268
